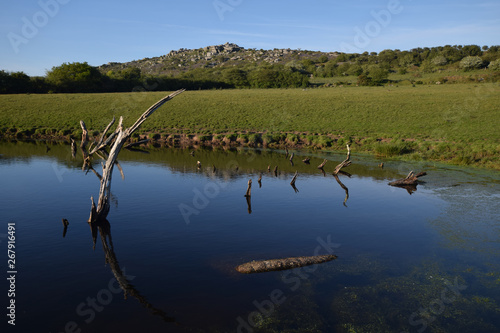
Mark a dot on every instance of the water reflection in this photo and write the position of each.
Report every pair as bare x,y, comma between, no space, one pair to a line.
103,229
342,185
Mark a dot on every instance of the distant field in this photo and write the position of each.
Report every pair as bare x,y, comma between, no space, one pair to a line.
457,123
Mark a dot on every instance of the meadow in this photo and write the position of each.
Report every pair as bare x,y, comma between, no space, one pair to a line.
455,123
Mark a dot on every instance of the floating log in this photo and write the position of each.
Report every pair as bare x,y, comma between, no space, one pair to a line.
306,160
249,189
411,179
345,163
270,265
322,164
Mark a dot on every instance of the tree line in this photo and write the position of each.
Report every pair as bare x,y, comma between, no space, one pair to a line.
369,68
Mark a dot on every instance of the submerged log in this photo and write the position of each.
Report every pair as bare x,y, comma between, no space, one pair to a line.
411,179
262,266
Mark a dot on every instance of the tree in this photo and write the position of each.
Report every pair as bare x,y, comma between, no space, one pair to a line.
439,61
378,74
75,77
471,62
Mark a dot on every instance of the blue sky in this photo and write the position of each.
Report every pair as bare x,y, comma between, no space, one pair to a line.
36,35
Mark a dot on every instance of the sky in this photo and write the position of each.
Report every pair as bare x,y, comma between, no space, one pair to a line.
36,35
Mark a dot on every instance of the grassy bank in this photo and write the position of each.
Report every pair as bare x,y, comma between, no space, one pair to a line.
455,123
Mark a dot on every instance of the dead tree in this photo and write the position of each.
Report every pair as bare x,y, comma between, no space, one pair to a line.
282,264
411,179
345,163
116,142
322,164
249,189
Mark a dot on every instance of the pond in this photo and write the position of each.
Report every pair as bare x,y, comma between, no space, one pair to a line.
425,259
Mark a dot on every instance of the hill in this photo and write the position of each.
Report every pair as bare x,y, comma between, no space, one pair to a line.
224,55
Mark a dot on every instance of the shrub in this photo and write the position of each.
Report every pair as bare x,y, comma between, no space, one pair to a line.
494,65
471,62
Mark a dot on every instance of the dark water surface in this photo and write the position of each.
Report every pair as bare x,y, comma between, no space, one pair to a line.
425,262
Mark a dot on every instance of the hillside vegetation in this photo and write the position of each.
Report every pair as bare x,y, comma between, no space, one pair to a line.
232,66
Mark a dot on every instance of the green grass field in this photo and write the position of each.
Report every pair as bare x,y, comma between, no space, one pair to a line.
457,123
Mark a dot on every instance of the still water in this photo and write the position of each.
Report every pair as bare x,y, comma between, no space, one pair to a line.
408,261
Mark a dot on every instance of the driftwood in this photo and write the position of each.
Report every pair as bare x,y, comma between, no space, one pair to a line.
306,160
262,266
345,163
294,178
292,183
120,136
322,164
249,189
411,179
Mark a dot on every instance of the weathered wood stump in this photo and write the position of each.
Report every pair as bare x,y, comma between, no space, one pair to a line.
411,179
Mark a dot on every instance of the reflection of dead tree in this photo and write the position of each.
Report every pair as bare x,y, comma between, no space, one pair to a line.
343,187
103,228
73,148
345,163
65,224
116,141
249,204
282,264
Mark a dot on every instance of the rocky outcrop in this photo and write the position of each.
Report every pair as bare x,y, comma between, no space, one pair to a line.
228,54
